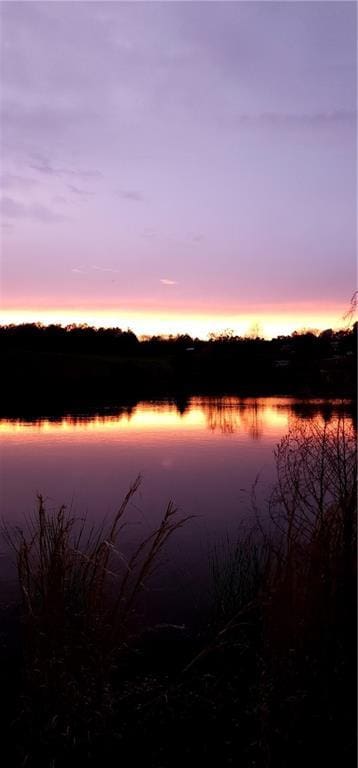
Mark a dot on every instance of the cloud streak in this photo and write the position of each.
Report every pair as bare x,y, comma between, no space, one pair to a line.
13,209
94,268
310,119
44,166
130,194
104,269
13,181
79,192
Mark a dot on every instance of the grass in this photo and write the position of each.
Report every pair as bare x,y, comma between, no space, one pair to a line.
285,601
79,595
269,678
66,568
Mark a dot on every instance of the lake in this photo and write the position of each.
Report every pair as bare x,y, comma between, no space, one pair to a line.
205,455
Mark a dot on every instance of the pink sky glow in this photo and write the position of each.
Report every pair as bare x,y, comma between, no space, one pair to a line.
178,167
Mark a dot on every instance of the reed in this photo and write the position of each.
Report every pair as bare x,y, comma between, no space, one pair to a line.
79,595
269,677
285,597
300,556
312,539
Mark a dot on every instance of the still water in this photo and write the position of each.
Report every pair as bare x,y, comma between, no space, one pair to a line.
205,455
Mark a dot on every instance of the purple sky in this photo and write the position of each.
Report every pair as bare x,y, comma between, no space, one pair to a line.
166,160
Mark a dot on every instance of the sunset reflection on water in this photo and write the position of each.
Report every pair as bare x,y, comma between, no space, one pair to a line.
251,417
205,454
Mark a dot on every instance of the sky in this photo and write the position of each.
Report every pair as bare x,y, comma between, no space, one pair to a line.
178,166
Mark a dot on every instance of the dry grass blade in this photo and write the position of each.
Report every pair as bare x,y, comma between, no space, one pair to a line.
65,571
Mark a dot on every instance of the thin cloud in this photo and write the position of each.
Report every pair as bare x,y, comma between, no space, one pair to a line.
42,165
60,199
165,281
148,233
78,191
13,209
93,268
131,194
104,269
297,118
12,181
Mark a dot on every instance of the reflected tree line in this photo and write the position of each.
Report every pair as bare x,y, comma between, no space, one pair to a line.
225,415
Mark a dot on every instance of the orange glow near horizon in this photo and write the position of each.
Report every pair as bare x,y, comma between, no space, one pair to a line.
268,322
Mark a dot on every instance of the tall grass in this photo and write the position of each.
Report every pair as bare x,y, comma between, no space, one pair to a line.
302,548
237,572
287,591
270,680
79,594
312,541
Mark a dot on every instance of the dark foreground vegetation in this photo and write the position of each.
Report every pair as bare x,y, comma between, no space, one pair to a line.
265,678
47,366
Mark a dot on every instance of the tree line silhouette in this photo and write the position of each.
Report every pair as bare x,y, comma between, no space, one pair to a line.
81,363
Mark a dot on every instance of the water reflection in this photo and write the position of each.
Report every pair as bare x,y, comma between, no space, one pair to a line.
228,415
204,455
253,417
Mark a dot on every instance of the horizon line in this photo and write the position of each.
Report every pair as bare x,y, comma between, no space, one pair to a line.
196,327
